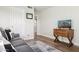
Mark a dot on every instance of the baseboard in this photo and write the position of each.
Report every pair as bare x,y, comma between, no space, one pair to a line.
46,36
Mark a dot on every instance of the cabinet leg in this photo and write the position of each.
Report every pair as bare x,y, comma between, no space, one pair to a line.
56,39
70,42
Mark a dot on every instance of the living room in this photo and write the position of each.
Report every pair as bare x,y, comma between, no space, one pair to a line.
39,29
34,26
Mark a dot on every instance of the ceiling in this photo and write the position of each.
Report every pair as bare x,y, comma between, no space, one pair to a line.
41,8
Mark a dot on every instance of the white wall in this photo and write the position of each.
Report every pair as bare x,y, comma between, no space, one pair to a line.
15,19
50,17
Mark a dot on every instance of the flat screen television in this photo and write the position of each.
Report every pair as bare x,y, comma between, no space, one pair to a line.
64,24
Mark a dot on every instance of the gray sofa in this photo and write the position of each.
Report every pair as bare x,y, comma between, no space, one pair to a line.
18,43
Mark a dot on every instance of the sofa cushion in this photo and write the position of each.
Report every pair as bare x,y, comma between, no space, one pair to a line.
18,38
15,35
3,33
18,43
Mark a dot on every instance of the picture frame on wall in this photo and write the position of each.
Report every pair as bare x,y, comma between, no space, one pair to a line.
29,16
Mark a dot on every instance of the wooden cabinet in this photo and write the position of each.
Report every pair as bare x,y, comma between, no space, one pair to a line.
68,33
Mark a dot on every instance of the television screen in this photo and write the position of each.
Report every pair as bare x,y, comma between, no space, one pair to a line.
64,24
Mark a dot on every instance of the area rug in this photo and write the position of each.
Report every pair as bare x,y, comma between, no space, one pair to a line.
39,46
